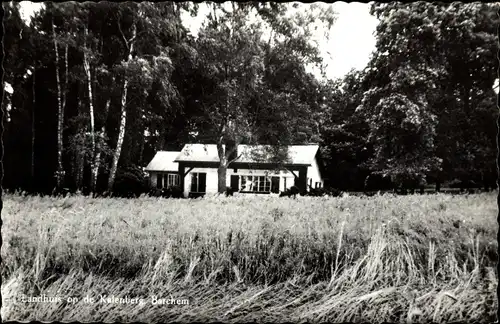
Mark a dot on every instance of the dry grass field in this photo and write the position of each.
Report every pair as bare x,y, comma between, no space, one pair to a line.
404,259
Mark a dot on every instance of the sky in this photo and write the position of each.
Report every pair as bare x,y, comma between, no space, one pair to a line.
351,38
349,46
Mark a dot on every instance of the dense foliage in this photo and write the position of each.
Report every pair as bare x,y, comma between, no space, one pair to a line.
91,89
424,108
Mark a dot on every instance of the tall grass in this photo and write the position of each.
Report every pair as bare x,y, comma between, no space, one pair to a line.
382,258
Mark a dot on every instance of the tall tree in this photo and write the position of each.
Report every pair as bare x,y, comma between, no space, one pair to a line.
148,31
15,106
61,103
235,65
232,56
129,44
344,132
418,88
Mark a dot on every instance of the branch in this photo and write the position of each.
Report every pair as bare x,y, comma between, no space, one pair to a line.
221,132
236,158
121,32
135,36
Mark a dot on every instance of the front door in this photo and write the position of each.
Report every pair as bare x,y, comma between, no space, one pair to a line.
235,181
275,184
198,184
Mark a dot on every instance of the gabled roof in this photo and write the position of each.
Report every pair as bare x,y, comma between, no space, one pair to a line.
299,154
164,161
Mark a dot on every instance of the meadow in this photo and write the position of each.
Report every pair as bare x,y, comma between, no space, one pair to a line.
405,259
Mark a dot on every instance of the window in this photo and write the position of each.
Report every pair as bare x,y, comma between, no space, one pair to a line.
264,184
246,183
198,182
172,180
159,181
318,185
167,180
255,184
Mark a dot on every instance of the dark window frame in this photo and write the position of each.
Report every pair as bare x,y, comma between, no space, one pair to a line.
261,184
197,187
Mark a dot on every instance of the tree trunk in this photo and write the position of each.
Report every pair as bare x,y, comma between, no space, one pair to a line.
123,118
222,170
86,65
65,79
121,135
60,120
214,8
498,163
33,128
2,129
79,155
80,162
102,134
160,143
141,149
95,170
221,176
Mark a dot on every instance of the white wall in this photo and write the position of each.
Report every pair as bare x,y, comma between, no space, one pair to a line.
212,178
312,173
281,174
153,178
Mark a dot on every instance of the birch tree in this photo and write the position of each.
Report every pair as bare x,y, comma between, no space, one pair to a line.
86,65
60,116
147,62
129,44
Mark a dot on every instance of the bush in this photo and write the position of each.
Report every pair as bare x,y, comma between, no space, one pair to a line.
155,192
230,191
130,182
319,192
333,192
462,184
375,182
292,191
173,192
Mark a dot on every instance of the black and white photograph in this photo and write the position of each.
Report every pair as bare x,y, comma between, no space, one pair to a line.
236,162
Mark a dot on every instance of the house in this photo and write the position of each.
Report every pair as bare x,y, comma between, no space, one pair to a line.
163,171
194,169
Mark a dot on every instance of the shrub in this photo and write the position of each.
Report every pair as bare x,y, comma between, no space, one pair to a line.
462,184
316,192
173,192
292,191
375,182
130,182
155,192
319,192
230,191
